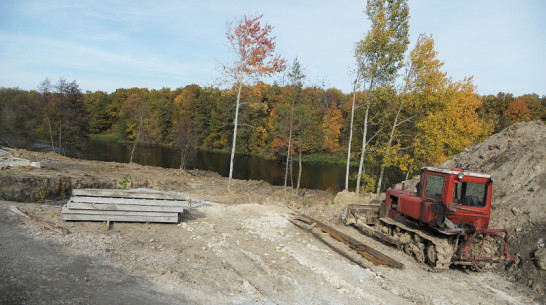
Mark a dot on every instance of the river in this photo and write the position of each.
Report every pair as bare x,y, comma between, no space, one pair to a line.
314,175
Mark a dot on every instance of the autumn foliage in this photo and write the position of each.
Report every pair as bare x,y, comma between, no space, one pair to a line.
518,111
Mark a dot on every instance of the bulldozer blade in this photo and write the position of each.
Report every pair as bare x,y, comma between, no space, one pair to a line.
484,246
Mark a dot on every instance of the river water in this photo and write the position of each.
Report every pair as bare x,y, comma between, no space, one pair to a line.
314,175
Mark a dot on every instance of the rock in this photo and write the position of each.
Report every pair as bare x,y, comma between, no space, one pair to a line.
540,256
515,211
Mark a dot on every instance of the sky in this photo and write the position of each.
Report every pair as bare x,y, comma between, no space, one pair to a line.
110,44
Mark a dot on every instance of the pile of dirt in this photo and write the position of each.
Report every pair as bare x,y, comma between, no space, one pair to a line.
516,158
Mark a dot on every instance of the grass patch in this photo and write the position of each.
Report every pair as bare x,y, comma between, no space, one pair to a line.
104,138
126,183
329,159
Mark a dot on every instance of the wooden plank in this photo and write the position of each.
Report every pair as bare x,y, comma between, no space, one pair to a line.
66,210
127,193
169,219
124,207
126,201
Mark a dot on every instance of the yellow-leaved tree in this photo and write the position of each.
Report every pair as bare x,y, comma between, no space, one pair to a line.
454,126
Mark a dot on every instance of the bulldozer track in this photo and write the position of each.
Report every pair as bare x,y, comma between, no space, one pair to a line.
426,248
376,257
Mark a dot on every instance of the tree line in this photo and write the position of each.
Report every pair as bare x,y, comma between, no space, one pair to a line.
202,117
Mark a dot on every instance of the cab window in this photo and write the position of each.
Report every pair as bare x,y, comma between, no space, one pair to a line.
434,186
470,194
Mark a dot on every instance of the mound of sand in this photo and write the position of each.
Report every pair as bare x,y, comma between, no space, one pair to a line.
516,158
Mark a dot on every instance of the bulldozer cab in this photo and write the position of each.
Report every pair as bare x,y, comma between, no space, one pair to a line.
467,195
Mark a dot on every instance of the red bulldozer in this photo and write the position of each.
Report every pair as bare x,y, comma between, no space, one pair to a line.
445,222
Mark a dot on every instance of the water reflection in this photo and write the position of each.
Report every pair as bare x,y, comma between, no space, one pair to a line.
314,175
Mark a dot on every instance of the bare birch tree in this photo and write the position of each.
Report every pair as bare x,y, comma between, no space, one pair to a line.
382,50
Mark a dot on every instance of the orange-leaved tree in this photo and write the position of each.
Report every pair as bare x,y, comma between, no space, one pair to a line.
518,111
332,121
254,49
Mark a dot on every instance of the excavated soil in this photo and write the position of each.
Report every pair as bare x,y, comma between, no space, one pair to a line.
242,248
516,158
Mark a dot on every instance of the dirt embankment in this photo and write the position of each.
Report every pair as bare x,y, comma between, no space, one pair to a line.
516,158
244,249
58,175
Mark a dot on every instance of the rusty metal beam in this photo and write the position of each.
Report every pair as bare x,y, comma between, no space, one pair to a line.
376,257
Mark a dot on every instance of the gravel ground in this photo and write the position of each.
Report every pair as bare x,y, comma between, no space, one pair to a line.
220,254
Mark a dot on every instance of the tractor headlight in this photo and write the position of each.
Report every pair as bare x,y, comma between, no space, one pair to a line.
460,175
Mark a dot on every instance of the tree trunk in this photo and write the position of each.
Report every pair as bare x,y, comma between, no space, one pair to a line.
235,122
409,170
289,153
60,138
183,154
138,134
363,152
291,175
288,159
51,134
379,181
350,138
299,168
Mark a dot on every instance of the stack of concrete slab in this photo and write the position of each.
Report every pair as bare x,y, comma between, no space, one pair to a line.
8,160
124,205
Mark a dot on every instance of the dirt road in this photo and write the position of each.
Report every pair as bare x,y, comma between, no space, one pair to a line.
37,271
220,254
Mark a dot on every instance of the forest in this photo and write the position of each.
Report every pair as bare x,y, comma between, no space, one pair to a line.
193,117
403,113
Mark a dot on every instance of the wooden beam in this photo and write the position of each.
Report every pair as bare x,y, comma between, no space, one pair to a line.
128,193
66,210
123,207
164,219
130,201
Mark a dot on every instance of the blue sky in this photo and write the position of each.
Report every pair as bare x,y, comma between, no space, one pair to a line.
105,45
